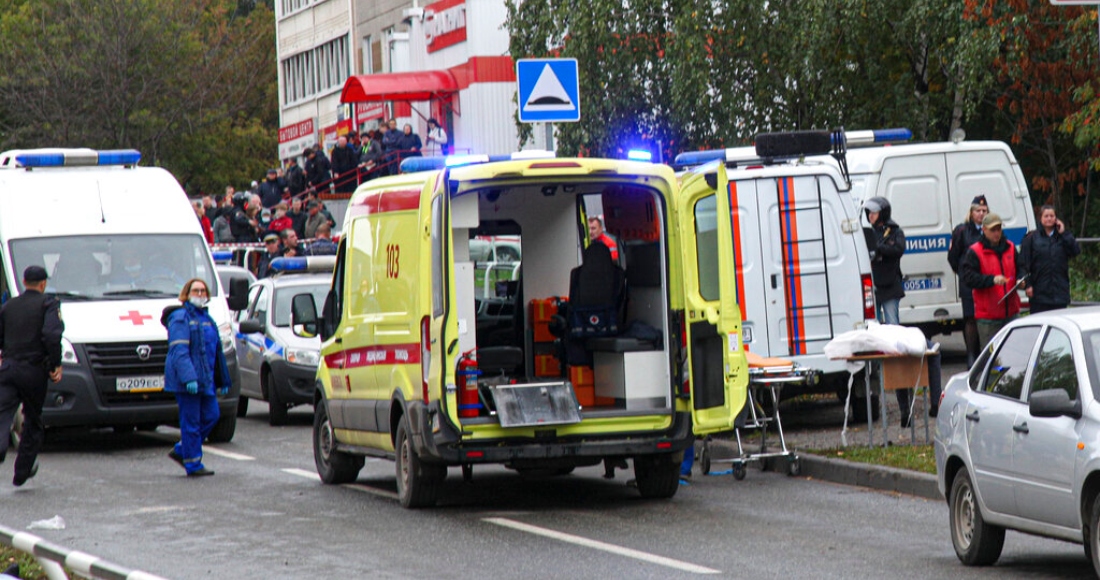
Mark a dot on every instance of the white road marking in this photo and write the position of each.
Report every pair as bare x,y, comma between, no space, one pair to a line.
598,545
356,486
227,454
303,473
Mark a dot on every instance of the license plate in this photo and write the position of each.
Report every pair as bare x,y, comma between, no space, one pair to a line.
139,384
923,284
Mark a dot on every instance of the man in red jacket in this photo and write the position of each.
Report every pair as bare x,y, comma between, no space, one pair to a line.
989,269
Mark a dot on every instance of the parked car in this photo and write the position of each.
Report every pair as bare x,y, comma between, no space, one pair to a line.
277,365
495,249
1018,437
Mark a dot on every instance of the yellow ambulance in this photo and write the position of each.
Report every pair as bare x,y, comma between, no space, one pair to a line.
584,351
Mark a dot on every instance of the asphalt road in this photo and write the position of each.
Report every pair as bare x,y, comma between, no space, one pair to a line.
265,515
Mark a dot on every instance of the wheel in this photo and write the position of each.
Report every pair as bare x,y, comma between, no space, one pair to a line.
739,471
1092,538
508,255
467,472
224,429
242,406
976,542
794,467
704,458
277,408
333,466
658,475
417,483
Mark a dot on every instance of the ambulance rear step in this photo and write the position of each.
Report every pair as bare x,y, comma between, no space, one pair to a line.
551,403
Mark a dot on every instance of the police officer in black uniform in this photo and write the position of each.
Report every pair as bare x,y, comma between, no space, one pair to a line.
30,344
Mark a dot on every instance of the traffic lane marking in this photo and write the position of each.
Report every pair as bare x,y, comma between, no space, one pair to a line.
205,448
356,486
598,545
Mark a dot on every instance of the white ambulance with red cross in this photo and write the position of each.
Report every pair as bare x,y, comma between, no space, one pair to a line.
569,359
118,241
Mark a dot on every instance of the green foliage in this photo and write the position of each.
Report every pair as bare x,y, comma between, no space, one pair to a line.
189,83
1084,274
912,457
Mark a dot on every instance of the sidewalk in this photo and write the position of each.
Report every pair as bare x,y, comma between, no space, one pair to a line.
817,424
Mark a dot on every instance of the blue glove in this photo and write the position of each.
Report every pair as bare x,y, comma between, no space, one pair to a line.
223,391
192,388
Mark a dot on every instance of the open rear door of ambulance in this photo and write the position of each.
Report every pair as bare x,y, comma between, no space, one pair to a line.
716,368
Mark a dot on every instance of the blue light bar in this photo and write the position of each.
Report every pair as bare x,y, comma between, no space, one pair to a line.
700,157
639,155
417,164
303,264
222,255
877,136
77,158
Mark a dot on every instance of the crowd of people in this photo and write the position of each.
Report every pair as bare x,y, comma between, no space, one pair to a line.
990,268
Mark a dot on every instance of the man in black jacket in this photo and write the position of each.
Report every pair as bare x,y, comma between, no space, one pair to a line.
317,168
271,189
30,336
345,166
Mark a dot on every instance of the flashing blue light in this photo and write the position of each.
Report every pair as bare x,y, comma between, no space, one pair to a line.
639,155
41,159
222,255
700,157
459,160
120,157
417,164
877,136
288,265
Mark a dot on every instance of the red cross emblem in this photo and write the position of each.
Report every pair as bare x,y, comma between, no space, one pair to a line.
136,317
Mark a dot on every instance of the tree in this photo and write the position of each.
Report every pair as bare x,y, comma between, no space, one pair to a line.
172,78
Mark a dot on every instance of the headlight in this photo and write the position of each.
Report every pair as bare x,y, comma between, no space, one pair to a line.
225,331
302,356
68,353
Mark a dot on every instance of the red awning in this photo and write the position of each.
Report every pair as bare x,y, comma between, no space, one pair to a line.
405,86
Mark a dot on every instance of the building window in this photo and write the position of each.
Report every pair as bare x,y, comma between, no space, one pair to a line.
317,70
291,6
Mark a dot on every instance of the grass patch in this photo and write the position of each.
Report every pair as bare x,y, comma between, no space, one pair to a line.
28,566
912,457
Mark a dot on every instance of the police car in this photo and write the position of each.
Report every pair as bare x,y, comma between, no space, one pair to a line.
276,365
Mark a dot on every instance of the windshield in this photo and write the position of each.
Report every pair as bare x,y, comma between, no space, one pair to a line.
116,267
284,296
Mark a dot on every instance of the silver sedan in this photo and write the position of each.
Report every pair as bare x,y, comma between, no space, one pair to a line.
1018,437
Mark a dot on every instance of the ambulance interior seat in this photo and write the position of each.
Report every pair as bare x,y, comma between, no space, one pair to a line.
596,308
76,273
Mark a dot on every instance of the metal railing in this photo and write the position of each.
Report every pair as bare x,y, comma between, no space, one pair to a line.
52,558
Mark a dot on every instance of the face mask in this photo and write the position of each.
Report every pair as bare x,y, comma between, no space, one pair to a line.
133,269
198,301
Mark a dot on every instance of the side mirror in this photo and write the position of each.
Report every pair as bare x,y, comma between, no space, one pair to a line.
250,326
303,315
1053,403
238,294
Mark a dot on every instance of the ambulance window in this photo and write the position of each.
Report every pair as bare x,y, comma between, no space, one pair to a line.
437,256
706,246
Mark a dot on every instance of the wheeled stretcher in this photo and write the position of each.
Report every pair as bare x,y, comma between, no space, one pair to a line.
767,376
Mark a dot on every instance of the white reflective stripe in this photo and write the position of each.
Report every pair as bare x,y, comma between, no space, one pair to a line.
182,341
81,561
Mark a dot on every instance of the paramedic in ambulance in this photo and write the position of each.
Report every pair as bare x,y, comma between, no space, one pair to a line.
965,235
595,232
989,269
889,245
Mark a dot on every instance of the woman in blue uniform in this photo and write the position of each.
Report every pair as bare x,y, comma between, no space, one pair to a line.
195,370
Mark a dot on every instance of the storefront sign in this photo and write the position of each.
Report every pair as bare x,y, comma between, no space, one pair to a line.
445,24
295,138
368,112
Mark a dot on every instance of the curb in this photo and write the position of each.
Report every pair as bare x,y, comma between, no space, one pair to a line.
880,477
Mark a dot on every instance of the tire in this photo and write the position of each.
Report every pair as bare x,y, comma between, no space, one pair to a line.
976,542
794,467
1092,538
507,255
658,475
277,408
242,406
739,471
417,483
225,429
334,467
704,458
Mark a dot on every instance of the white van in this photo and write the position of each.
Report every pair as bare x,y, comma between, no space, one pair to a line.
930,187
119,241
802,267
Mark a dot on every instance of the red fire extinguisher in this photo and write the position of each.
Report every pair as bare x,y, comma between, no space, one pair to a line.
469,403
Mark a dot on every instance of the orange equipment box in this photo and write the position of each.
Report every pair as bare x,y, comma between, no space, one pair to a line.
581,376
541,310
586,395
547,365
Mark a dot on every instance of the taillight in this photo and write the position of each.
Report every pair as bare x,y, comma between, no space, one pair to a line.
425,354
868,297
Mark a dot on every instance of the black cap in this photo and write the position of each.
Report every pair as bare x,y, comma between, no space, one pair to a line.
979,200
272,171
312,204
34,274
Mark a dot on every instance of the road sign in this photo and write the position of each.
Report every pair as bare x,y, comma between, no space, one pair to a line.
549,90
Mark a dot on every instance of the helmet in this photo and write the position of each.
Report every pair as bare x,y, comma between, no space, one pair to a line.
879,205
240,199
